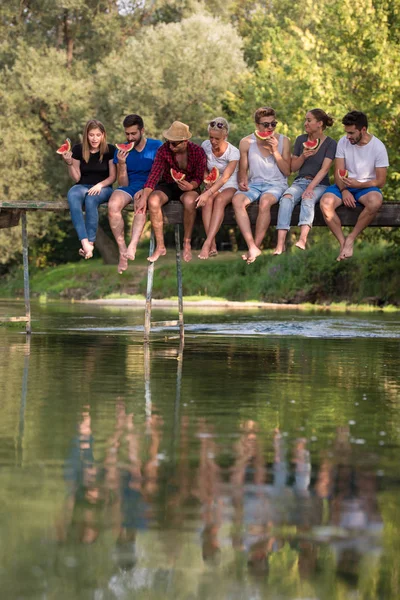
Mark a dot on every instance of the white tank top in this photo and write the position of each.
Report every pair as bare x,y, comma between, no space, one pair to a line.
263,169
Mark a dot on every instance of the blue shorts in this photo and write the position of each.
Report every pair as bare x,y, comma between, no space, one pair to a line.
131,189
357,192
256,190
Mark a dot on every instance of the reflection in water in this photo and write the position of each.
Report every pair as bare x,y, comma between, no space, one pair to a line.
237,472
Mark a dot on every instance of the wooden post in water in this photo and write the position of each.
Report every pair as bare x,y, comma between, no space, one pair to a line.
179,280
26,272
149,291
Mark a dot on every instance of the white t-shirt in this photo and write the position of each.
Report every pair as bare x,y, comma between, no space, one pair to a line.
221,162
361,161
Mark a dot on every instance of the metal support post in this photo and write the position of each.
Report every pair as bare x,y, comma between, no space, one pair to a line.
149,291
179,281
26,272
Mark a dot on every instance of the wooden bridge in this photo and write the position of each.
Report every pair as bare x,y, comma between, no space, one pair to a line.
12,213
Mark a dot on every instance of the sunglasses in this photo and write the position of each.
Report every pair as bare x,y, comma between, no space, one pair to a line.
273,124
175,144
215,124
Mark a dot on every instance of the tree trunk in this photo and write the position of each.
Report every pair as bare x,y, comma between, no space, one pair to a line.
69,40
107,247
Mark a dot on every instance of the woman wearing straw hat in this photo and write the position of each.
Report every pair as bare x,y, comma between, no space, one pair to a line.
180,154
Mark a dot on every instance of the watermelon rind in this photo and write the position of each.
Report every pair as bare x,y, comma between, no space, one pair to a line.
312,144
212,176
263,135
177,175
125,147
66,147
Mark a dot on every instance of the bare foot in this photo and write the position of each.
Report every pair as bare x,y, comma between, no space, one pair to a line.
341,256
245,256
301,244
187,252
252,255
213,252
205,252
87,249
123,263
348,248
279,250
157,253
131,251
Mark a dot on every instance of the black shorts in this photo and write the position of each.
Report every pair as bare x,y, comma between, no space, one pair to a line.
171,190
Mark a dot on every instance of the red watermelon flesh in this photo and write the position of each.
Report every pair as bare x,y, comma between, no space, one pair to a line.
125,147
343,173
311,144
177,176
264,135
66,147
212,176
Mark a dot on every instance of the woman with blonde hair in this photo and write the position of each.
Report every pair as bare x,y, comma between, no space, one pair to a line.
91,167
225,157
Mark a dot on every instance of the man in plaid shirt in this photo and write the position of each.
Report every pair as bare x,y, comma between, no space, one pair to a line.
186,157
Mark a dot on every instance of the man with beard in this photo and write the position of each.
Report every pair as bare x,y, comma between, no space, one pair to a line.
360,173
189,161
133,169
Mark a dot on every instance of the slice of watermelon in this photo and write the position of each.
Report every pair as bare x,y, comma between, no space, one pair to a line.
212,176
177,176
125,147
343,173
312,144
66,147
263,135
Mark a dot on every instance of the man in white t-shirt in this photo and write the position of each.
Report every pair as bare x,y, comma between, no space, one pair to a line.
362,160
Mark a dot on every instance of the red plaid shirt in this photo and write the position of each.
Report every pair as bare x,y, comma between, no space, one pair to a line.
165,160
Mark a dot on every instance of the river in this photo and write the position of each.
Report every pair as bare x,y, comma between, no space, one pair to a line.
259,461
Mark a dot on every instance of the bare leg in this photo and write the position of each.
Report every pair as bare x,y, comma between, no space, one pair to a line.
264,217
137,228
329,204
372,203
240,202
156,200
206,214
302,241
281,245
223,199
117,202
188,200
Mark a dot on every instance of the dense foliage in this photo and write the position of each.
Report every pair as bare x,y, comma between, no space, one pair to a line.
64,61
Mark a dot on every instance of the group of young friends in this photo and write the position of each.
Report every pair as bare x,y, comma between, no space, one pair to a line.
257,171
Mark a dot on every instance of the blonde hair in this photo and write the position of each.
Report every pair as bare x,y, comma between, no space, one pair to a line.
93,124
218,124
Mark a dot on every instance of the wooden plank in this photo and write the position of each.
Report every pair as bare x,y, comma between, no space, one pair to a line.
388,216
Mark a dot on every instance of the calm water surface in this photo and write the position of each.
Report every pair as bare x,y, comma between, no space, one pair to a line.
260,461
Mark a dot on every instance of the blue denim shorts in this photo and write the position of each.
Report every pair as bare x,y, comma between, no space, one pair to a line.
357,192
256,190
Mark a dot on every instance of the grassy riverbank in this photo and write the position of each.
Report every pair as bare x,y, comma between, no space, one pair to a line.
371,277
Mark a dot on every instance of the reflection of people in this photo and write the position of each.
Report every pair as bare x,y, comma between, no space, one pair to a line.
82,512
312,179
90,165
182,155
264,167
222,155
133,168
364,159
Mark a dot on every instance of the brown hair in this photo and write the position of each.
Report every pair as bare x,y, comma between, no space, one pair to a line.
264,111
93,124
321,115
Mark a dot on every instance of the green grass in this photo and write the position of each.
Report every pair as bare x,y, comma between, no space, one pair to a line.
370,279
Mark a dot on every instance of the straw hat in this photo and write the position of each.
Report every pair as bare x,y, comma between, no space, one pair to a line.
177,132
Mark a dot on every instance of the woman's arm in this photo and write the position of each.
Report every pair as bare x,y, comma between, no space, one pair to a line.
324,170
213,189
96,189
74,166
